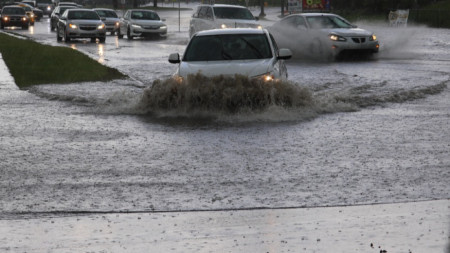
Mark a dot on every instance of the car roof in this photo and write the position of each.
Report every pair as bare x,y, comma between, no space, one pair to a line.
224,5
13,6
231,31
310,14
141,10
79,9
102,9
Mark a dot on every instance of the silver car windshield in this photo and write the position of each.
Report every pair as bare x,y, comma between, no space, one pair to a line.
90,15
233,13
144,15
107,14
318,22
228,47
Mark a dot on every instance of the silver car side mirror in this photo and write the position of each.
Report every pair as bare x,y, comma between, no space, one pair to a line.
284,54
174,58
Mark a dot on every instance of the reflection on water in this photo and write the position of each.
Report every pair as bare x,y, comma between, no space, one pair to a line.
31,29
73,46
101,52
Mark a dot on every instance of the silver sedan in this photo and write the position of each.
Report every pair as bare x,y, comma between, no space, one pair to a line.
323,35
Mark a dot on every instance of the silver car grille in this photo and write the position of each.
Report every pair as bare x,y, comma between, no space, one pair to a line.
151,27
359,40
87,27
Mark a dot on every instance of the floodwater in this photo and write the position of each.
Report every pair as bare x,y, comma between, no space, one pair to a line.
355,132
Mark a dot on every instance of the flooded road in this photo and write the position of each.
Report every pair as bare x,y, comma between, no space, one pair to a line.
376,131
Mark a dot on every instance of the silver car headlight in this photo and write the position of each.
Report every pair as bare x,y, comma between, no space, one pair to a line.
267,77
136,26
335,37
223,26
373,37
101,27
163,27
73,26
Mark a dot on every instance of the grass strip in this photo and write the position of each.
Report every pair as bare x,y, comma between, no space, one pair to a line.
32,63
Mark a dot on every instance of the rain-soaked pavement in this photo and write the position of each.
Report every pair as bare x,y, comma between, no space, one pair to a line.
372,132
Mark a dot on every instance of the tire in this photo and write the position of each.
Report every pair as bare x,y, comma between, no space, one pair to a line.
119,35
66,38
58,38
129,34
102,39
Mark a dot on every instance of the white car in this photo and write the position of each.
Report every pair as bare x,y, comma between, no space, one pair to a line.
218,16
110,19
323,34
141,23
249,52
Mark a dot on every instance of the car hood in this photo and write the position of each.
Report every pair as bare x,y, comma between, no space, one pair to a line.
349,32
237,23
250,68
86,22
147,22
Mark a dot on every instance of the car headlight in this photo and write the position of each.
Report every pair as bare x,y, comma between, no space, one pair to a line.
268,77
373,37
32,15
24,19
49,8
223,26
136,26
5,19
73,26
163,27
260,27
335,37
100,27
179,79
117,24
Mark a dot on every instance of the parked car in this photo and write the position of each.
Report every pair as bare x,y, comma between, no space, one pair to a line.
141,23
14,16
80,23
57,12
38,13
29,12
46,6
110,19
249,52
323,35
218,16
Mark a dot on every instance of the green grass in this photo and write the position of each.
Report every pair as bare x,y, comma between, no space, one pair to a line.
32,63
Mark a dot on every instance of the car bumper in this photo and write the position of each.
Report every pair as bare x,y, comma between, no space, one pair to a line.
135,31
112,28
14,23
79,33
356,45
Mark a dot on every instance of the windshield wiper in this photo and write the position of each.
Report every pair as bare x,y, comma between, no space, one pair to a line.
255,49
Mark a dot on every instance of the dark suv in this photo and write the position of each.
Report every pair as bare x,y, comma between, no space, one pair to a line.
14,16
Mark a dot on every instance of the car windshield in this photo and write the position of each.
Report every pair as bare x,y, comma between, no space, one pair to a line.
13,11
27,8
233,13
83,15
228,47
146,15
107,14
318,22
62,9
